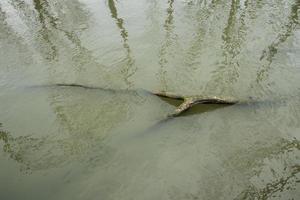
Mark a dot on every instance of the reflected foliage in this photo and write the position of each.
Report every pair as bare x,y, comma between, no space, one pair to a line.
168,41
46,18
233,40
285,33
284,178
7,147
47,152
12,45
201,47
53,33
87,119
129,69
196,46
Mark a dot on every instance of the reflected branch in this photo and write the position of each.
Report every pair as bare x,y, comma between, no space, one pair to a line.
196,44
47,152
229,35
280,151
168,26
119,21
129,71
51,25
13,46
271,51
43,15
187,101
8,148
233,38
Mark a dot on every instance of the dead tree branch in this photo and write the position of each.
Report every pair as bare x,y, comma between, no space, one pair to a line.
188,101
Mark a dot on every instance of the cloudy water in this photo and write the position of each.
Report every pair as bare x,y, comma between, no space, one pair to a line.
110,140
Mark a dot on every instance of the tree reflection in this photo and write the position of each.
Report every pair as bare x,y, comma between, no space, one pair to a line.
53,23
284,178
196,46
128,70
7,147
83,125
6,32
14,50
233,38
271,51
51,151
168,41
45,18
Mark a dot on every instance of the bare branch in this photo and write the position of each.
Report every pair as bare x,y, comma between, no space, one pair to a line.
188,101
191,101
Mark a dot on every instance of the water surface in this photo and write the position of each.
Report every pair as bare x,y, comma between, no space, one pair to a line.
113,143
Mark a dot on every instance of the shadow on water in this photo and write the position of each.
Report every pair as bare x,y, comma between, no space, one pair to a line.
129,69
196,109
174,102
247,104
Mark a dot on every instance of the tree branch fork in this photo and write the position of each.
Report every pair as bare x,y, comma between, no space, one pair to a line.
188,101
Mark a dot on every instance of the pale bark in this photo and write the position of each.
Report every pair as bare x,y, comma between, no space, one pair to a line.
189,101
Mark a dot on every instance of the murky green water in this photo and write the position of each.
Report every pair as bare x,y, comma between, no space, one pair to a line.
64,143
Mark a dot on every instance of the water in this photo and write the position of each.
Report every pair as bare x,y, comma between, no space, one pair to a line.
113,142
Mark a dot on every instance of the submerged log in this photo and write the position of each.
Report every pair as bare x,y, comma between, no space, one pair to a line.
188,101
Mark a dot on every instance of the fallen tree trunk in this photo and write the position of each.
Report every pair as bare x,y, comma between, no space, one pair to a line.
188,101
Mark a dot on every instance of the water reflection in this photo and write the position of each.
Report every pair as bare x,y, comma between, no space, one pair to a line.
271,51
54,31
85,121
167,43
14,51
6,31
277,180
82,129
34,154
196,47
233,39
45,18
7,147
228,72
243,151
129,69
263,163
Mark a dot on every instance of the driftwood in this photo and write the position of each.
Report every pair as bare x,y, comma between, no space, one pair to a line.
188,101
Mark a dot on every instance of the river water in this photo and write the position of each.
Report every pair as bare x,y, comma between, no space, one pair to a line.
112,143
